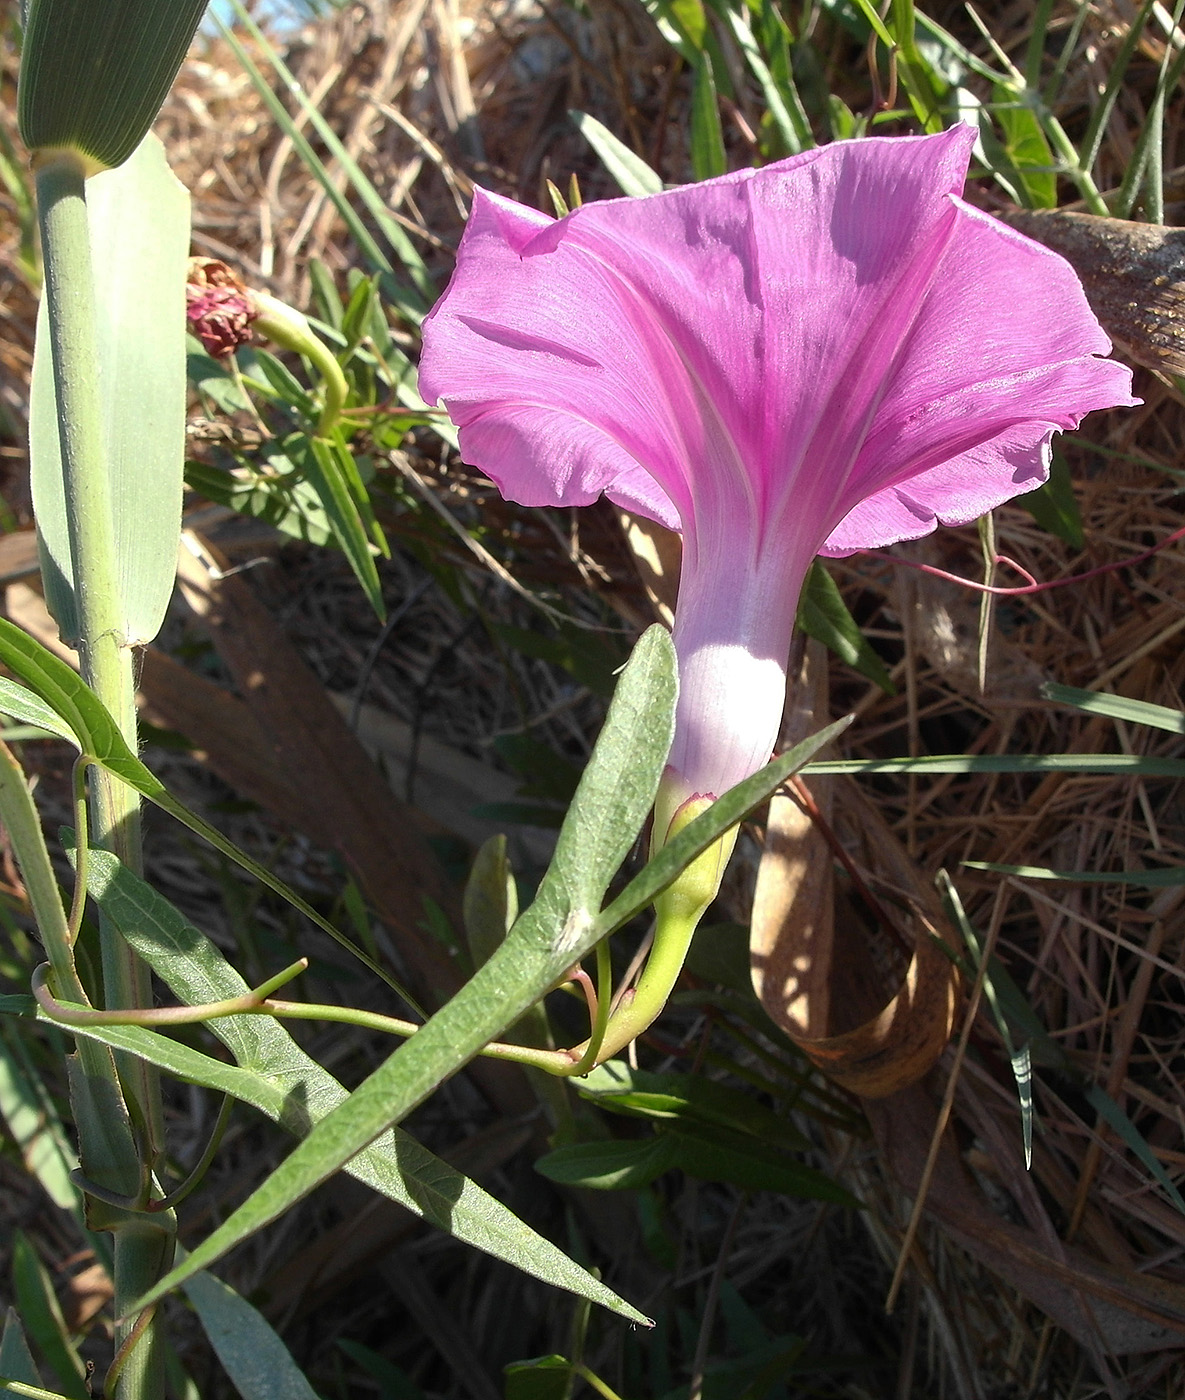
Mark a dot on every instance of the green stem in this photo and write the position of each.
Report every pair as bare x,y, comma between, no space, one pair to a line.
1064,147
604,1003
640,1007
82,847
19,818
140,1251
286,326
106,659
592,1379
253,1003
678,911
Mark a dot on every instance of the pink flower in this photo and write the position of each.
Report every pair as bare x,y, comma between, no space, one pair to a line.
829,354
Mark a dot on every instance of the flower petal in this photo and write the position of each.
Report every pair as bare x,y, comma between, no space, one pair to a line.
832,351
1002,355
699,333
559,391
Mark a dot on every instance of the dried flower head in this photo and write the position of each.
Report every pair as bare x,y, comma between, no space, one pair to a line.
218,307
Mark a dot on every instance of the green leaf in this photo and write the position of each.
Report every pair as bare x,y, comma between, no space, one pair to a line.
1054,506
682,23
412,303
614,797
634,177
325,296
1113,706
1115,1118
281,384
823,614
355,325
42,1317
610,1166
319,463
689,1098
16,1361
713,1154
547,775
351,469
250,1349
286,503
698,835
30,1392
1026,149
590,660
1009,1002
490,903
543,1378
710,1154
1123,764
925,86
871,13
1000,992
214,381
57,684
20,703
139,232
1168,877
273,1075
785,106
393,1382
708,156
35,1126
96,733
538,814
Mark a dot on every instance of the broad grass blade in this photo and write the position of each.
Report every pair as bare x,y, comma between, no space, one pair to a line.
139,227
94,75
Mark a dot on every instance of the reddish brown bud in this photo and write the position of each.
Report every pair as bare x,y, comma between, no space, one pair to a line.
218,307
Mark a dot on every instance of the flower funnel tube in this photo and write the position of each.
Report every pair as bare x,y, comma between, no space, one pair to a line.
829,354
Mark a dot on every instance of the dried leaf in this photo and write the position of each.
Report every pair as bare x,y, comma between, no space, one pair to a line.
812,969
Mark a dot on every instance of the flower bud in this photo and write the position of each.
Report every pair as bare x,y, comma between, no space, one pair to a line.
218,307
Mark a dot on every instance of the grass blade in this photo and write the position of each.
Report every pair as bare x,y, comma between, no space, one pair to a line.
1116,707
139,230
633,175
1112,764
376,206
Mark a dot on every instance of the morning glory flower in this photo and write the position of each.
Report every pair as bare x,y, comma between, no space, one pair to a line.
829,354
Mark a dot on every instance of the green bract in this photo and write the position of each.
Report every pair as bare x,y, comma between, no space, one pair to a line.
95,72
